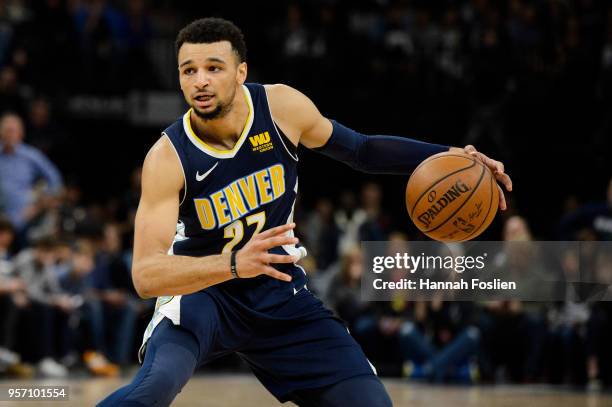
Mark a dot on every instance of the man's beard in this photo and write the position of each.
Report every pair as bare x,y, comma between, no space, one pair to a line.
218,112
221,110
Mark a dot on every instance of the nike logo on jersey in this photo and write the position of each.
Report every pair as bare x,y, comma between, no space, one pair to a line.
201,177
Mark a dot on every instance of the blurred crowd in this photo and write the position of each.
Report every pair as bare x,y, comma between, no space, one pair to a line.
67,300
460,341
66,297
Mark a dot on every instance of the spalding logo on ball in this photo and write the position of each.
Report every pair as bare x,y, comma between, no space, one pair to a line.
452,197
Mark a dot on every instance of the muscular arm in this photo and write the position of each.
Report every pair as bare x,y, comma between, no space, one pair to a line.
155,273
373,154
302,122
298,117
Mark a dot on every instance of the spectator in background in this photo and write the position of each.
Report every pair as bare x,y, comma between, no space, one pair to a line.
42,132
88,334
596,217
10,361
349,218
567,327
434,340
599,326
121,304
9,284
7,235
322,234
127,210
375,325
2,202
48,41
6,34
21,167
296,35
326,40
101,31
449,59
38,303
441,341
514,331
368,222
344,291
488,79
139,30
377,222
10,97
111,305
72,213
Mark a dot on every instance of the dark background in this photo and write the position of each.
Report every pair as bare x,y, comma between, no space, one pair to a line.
533,76
528,82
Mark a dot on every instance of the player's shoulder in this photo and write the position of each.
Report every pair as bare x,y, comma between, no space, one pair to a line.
288,104
162,163
161,152
175,128
281,93
165,148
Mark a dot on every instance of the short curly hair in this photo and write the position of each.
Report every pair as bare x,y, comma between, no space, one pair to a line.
212,29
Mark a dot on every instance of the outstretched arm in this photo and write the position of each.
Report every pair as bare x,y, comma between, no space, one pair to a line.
302,122
155,273
377,154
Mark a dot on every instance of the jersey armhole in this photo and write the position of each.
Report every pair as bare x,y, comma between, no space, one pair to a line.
290,148
182,168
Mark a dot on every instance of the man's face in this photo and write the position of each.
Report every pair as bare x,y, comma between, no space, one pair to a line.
39,113
516,229
209,75
6,239
11,131
82,263
45,256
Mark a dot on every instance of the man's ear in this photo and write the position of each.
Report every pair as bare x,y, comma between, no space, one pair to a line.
241,73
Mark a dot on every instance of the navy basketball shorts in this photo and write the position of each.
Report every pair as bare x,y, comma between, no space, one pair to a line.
298,345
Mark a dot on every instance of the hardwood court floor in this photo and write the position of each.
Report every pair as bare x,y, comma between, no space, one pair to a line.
245,391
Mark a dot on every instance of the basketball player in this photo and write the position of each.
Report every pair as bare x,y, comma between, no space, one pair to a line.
226,171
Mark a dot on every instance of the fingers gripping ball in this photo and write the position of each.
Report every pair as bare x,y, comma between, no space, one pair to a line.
452,197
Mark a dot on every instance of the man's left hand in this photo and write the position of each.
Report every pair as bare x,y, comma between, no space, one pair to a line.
496,167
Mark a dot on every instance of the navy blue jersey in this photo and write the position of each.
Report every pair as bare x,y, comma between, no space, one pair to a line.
229,195
290,340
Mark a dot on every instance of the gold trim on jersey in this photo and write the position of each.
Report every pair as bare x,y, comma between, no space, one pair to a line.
215,152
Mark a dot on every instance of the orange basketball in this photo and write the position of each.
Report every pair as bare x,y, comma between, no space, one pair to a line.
452,197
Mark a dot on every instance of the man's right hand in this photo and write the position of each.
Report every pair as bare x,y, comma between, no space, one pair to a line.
254,260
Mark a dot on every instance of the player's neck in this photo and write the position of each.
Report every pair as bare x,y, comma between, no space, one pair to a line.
224,132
